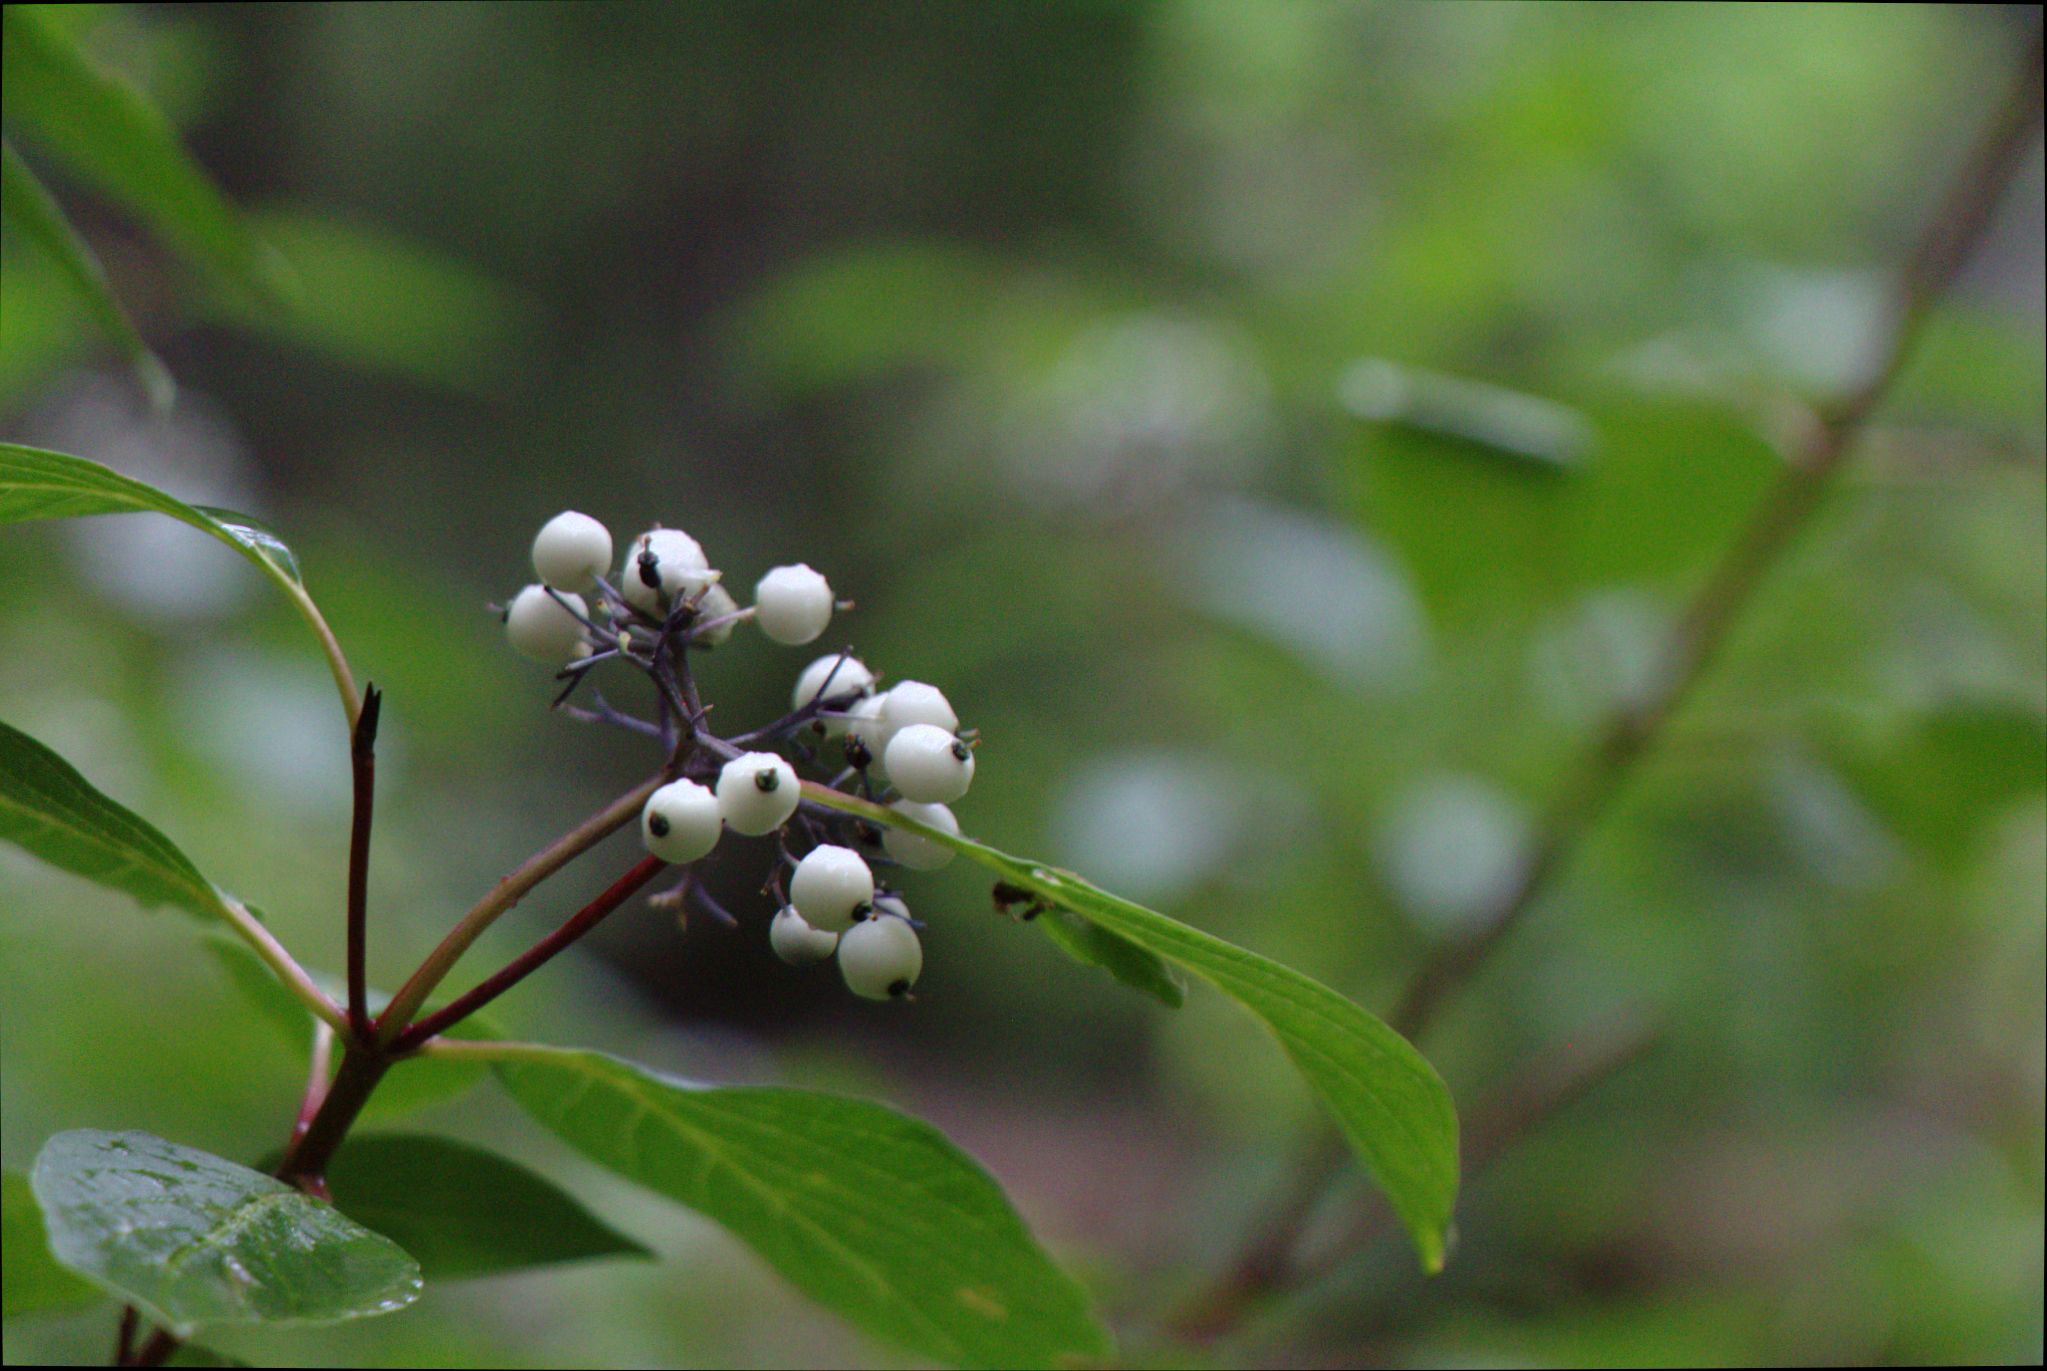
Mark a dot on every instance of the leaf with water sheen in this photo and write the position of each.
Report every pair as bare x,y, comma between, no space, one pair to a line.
872,1214
192,1239
31,1282
49,809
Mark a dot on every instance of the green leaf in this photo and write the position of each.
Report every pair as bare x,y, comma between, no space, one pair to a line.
1090,944
30,210
36,484
1660,490
462,1211
31,1282
192,1354
280,1009
49,809
373,300
111,136
1388,1101
870,1213
192,1239
414,1084
1938,778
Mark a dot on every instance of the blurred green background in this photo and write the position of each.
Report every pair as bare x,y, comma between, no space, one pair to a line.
1284,429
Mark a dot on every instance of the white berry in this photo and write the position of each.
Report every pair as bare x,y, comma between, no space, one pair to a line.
880,957
678,566
757,792
540,627
914,850
717,603
913,702
794,604
928,765
866,724
834,676
680,822
830,885
796,942
888,902
571,551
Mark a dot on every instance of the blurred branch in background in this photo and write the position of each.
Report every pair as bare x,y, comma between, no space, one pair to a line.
1269,1263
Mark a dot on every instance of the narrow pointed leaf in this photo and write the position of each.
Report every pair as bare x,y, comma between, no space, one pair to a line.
110,135
872,1214
192,1239
463,1211
49,809
1389,1103
31,1282
37,484
30,210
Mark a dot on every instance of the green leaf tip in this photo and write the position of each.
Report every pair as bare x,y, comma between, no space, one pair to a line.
1390,1105
51,811
38,484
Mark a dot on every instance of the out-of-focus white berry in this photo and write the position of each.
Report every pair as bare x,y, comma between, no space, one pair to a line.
758,791
881,957
796,942
716,604
914,702
680,822
914,850
830,885
679,567
571,551
834,677
928,765
888,902
540,627
794,604
867,725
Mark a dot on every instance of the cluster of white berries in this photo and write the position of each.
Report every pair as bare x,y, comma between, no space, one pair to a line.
550,621
902,744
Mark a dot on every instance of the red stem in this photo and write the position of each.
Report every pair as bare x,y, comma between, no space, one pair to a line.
533,958
363,757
